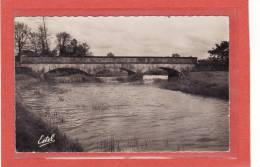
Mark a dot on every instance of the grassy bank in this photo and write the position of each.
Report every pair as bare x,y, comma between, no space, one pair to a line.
207,83
30,126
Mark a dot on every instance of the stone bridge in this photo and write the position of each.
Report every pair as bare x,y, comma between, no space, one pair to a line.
93,65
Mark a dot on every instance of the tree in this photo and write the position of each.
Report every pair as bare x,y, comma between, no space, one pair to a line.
90,54
82,50
87,49
45,33
43,40
34,41
74,45
54,52
79,49
110,54
22,34
71,47
176,55
220,54
63,40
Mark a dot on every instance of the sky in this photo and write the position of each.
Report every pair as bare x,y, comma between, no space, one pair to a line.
141,35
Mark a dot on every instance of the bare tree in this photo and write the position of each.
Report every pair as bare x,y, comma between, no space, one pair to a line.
43,39
22,34
35,44
45,33
63,40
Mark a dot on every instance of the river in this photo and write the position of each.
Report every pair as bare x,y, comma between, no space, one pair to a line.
132,117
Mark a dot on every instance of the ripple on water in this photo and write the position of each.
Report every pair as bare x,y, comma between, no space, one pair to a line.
139,118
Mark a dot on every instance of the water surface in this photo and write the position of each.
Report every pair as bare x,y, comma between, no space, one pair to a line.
132,117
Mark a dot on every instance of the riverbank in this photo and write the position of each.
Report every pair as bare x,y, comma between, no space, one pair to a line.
206,83
30,126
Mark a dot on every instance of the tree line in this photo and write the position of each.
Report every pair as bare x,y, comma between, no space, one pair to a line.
37,42
218,57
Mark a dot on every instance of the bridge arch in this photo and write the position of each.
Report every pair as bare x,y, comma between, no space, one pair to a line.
64,71
130,72
171,71
111,72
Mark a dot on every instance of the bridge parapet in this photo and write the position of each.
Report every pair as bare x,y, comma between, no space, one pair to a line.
107,60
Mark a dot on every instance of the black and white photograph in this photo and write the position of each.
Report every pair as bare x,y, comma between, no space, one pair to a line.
122,84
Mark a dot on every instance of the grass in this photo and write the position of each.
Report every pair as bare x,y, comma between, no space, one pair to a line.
133,144
207,83
112,144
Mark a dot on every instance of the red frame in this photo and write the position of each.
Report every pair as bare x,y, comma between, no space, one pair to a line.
237,10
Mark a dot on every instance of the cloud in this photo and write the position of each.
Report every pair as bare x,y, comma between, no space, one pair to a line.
140,36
